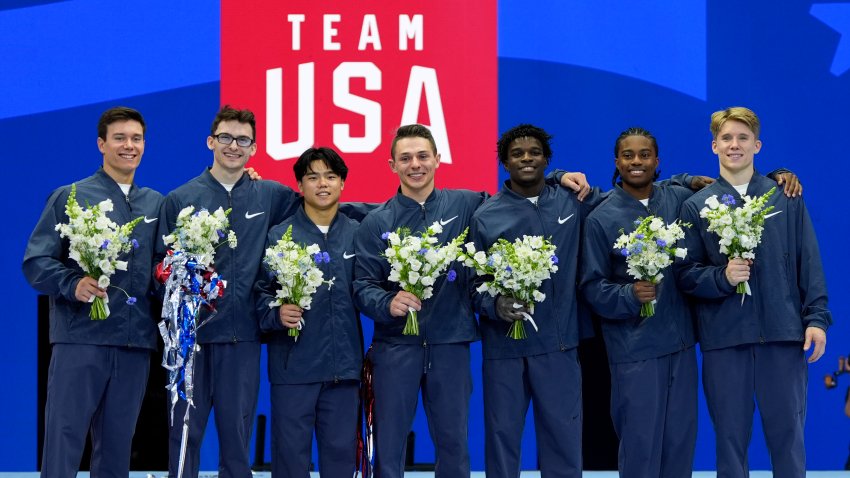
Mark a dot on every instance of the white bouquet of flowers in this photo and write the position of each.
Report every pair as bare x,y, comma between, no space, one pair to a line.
416,261
199,233
95,244
739,228
649,249
295,269
515,269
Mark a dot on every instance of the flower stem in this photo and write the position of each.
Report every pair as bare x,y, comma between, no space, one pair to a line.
517,330
411,326
98,309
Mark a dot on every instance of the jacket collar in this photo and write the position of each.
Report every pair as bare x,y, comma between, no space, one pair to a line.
411,203
509,193
757,183
107,179
210,180
303,219
623,196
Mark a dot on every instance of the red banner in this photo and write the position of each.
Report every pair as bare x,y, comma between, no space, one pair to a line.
346,74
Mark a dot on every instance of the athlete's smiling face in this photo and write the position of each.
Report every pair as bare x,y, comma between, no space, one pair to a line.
736,146
231,157
122,149
321,186
526,165
636,162
415,162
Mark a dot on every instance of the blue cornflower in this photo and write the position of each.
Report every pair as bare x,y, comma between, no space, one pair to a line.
326,257
637,222
220,233
638,248
317,258
279,254
661,242
640,236
422,251
509,269
624,252
131,300
105,244
135,243
728,200
385,236
451,276
554,259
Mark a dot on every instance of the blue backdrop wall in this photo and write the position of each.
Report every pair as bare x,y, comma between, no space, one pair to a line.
583,70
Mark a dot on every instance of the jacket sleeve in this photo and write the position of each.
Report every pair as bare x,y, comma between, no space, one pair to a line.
695,275
593,199
607,298
284,203
167,222
554,177
681,179
357,210
774,175
44,265
371,294
812,284
265,288
483,303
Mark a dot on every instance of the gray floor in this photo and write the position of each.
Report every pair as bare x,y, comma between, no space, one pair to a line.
525,474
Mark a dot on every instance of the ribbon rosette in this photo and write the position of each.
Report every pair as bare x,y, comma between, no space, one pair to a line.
417,260
295,268
739,228
649,249
515,269
95,244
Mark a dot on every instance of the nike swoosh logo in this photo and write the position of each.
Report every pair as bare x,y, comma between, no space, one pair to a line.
251,216
561,221
771,214
443,223
148,220
346,255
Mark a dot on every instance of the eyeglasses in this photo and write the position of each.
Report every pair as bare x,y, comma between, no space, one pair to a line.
241,141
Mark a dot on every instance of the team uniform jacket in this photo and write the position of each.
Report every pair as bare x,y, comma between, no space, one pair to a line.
329,347
446,317
255,206
49,270
558,216
608,288
786,278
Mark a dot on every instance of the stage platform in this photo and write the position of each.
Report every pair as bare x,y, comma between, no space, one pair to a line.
479,474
